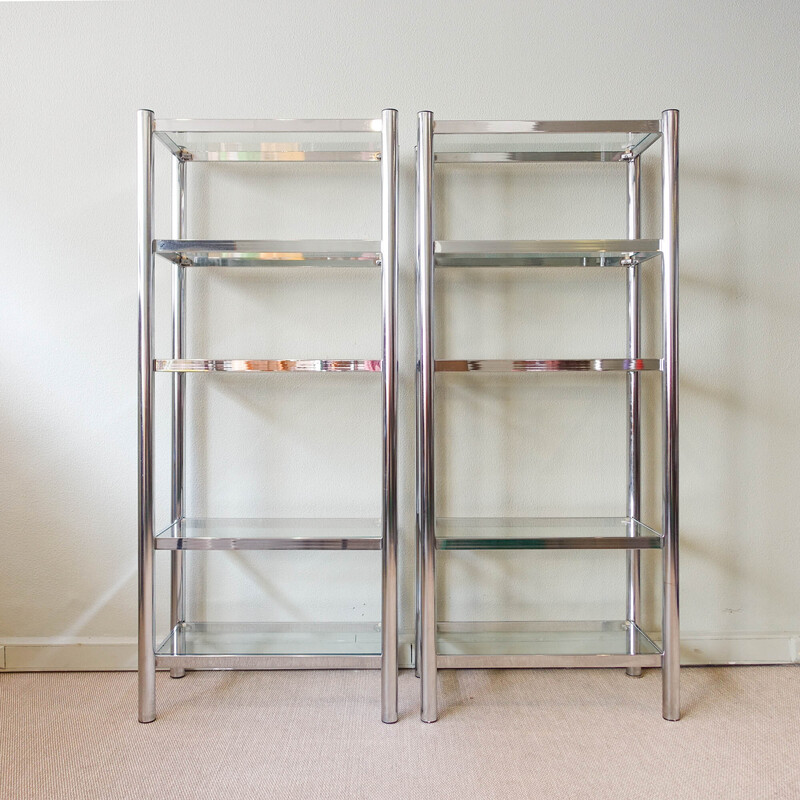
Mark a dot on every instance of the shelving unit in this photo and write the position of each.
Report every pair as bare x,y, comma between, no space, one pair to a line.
201,645
545,644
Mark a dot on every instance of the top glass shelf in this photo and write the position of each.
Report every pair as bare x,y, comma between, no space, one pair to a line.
271,140
616,140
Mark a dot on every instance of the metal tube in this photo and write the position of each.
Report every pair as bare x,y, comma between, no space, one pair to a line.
633,229
144,194
418,499
417,601
177,581
418,472
669,248
427,533
389,211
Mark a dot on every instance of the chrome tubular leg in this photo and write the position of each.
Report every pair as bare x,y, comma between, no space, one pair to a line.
418,516
177,582
417,598
389,210
144,191
417,573
425,285
669,247
634,421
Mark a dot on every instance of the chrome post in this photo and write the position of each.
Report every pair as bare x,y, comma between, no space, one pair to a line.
427,518
177,582
144,194
633,228
417,548
418,471
669,248
389,211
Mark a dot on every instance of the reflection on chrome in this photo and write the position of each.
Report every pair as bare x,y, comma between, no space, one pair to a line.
551,365
266,365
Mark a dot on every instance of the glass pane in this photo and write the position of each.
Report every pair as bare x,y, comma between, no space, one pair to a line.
265,253
262,146
274,528
543,253
522,147
217,638
542,533
540,638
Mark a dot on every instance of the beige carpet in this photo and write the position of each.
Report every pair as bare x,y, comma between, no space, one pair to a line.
502,734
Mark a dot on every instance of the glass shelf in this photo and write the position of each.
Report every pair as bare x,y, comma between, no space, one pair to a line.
265,253
270,140
613,140
543,533
271,534
266,365
545,253
549,365
592,643
272,639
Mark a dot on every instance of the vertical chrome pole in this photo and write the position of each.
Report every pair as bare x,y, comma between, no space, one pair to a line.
178,405
420,448
389,211
669,247
144,193
425,332
417,516
633,227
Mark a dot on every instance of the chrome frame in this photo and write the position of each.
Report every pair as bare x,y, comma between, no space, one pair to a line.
629,254
183,253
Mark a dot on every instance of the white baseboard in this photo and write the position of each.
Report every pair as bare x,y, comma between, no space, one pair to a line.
53,654
743,648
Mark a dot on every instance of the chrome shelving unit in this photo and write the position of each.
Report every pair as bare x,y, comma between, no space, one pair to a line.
570,644
201,645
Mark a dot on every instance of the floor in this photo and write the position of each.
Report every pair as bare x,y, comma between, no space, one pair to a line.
592,734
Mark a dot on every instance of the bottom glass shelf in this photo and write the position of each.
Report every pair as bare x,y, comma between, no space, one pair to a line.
271,638
592,643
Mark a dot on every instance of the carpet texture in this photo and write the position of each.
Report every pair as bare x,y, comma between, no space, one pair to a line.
593,734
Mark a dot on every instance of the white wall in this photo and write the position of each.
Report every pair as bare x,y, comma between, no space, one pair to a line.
74,74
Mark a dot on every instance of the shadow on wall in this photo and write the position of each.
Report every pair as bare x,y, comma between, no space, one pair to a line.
739,300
